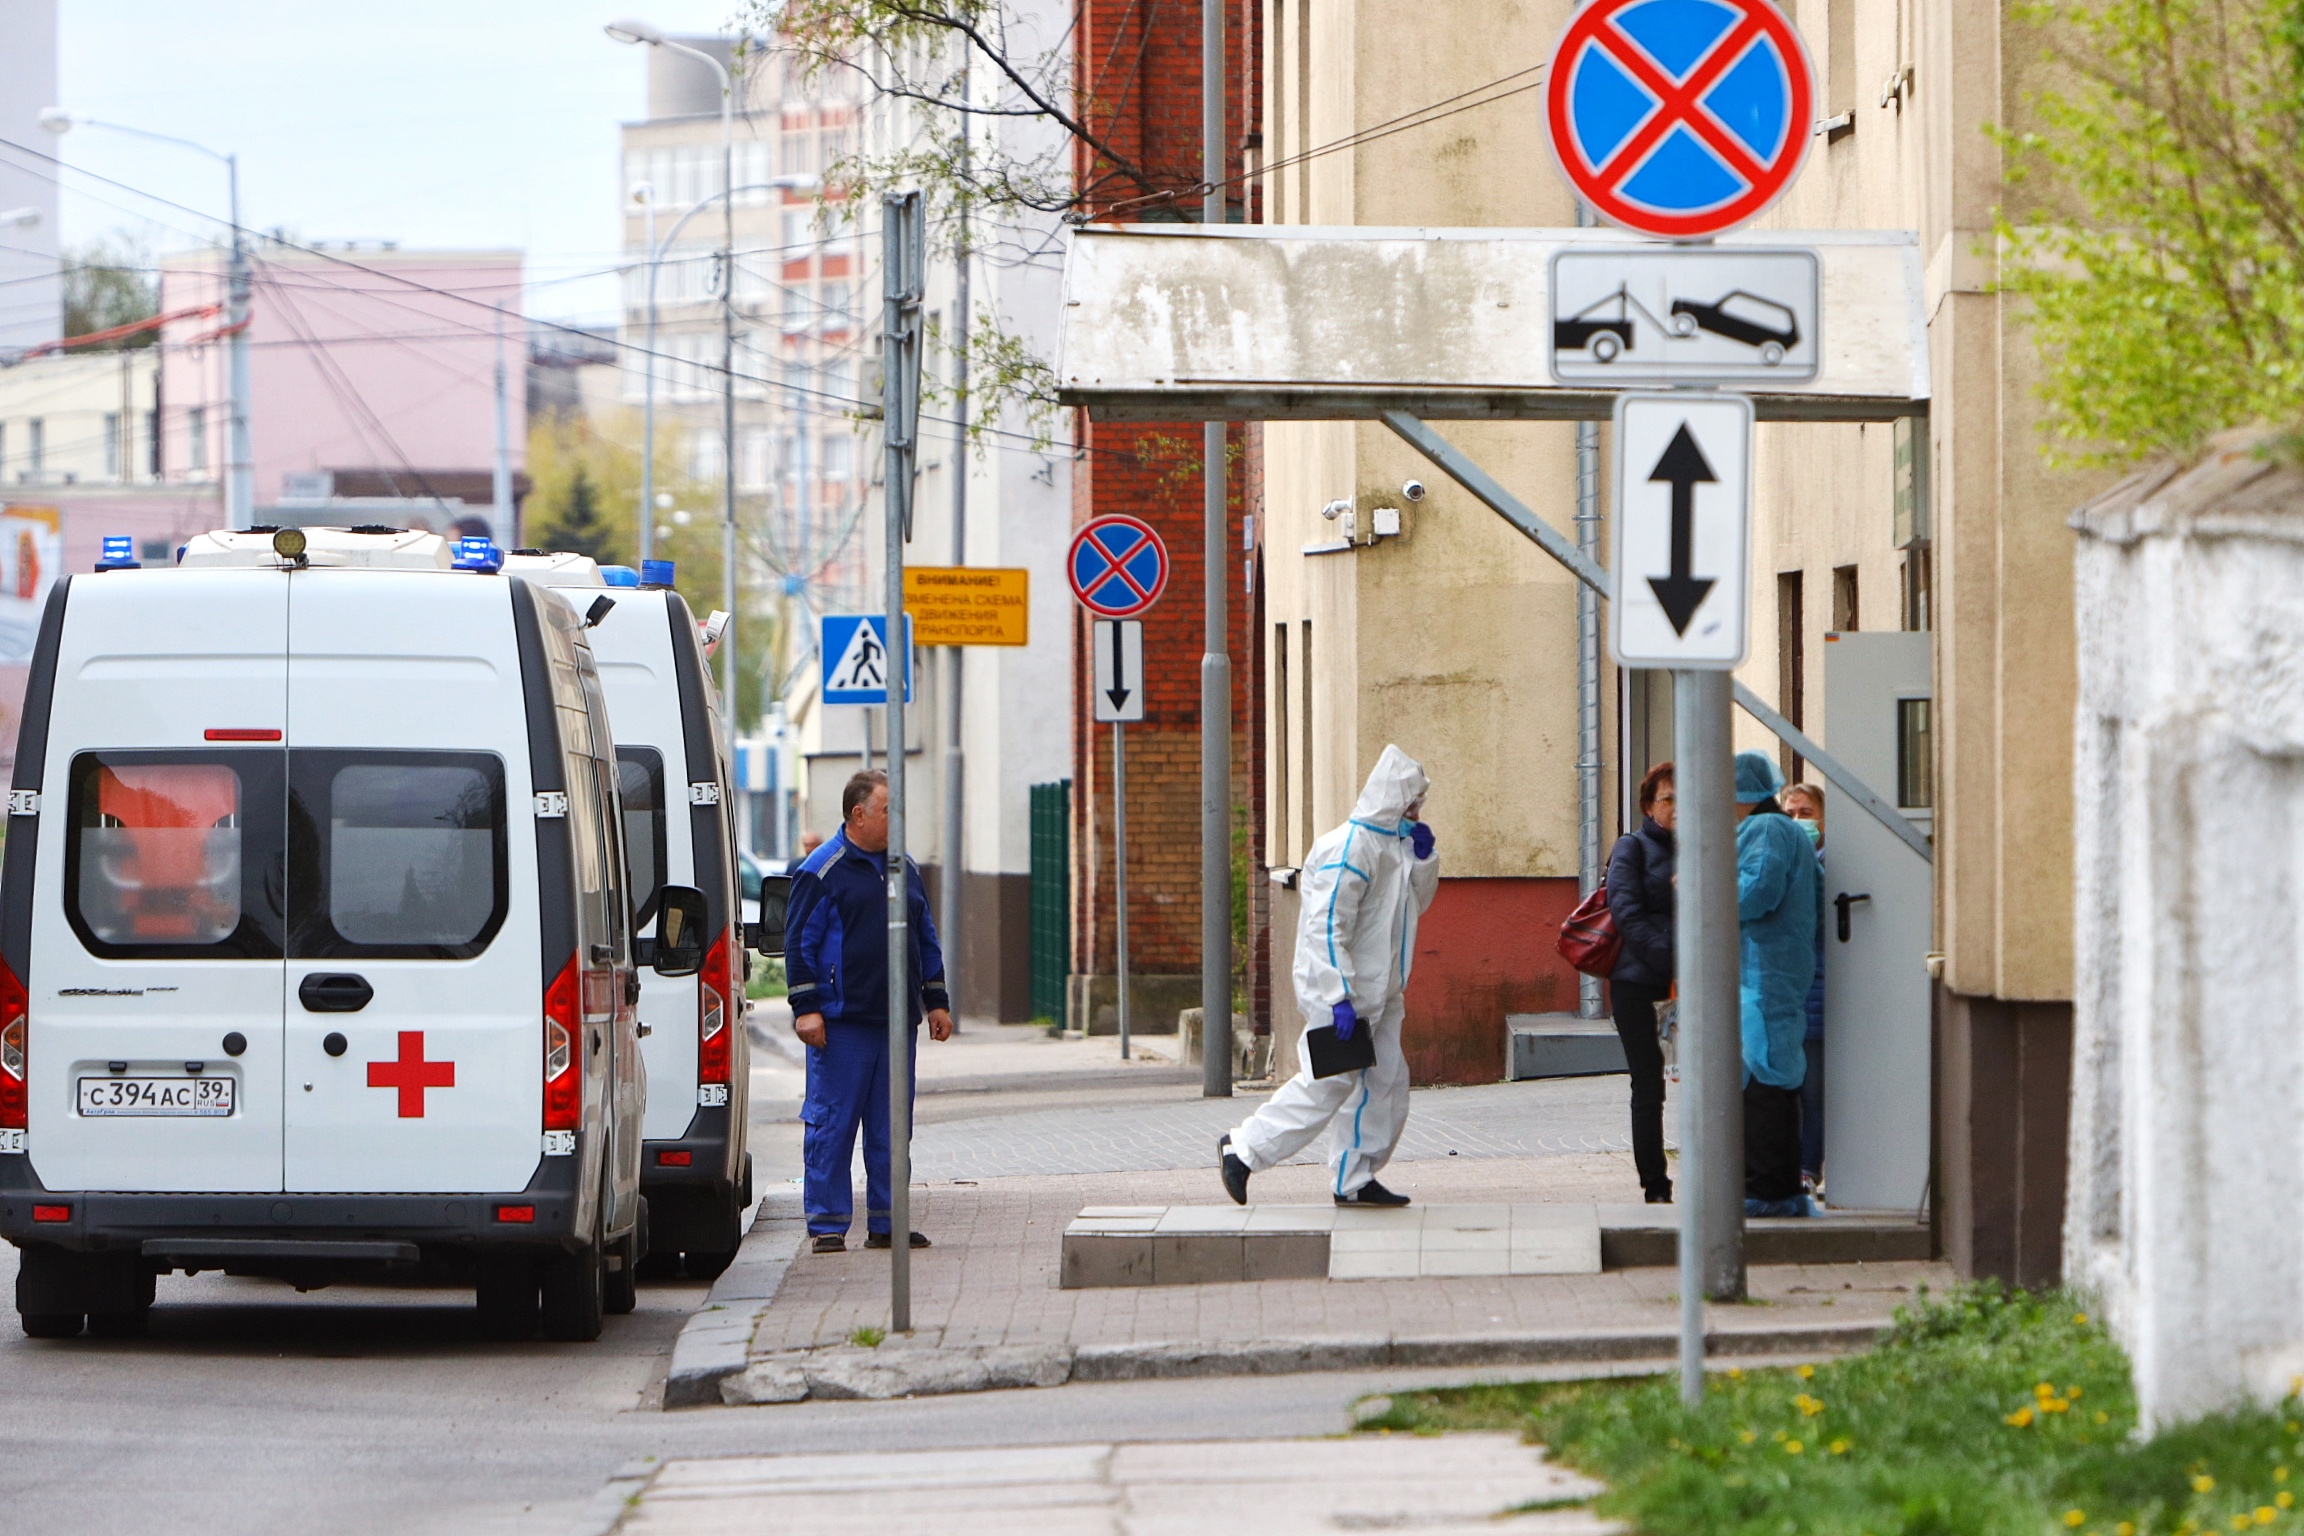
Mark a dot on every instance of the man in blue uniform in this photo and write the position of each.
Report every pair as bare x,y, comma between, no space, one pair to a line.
836,960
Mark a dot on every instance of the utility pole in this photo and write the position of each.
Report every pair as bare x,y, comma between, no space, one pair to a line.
949,878
506,535
240,460
728,633
1216,663
1590,870
903,254
647,192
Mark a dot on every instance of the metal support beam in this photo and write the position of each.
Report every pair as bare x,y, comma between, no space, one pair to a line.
1459,467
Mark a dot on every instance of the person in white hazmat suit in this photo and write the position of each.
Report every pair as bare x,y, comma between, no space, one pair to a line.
1363,887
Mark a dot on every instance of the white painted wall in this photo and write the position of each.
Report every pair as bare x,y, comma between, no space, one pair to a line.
32,310
2187,1134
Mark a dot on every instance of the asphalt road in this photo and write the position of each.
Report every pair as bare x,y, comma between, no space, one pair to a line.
253,1409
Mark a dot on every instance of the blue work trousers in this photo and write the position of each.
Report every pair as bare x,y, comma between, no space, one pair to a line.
848,1086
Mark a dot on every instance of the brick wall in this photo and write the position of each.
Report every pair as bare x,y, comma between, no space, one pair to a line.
1139,66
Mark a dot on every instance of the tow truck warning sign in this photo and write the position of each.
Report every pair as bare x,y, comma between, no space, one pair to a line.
1625,316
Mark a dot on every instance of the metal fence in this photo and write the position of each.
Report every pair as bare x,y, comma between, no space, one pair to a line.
1051,897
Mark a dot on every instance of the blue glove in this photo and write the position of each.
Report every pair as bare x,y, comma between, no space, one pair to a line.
1420,837
1345,1020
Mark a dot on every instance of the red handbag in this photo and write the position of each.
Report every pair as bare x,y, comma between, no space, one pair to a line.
1589,940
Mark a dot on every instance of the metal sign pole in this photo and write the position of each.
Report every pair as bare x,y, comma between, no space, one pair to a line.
1216,663
902,257
1711,1186
1120,857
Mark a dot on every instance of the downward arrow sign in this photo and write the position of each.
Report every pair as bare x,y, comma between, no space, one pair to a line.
1684,465
1116,693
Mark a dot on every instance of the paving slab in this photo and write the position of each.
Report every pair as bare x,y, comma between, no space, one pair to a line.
1451,1485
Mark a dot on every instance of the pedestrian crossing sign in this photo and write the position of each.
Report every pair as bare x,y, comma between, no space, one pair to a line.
854,647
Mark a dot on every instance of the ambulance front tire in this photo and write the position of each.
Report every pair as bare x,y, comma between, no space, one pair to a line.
623,1280
50,1325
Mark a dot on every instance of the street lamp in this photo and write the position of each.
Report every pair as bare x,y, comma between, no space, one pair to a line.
648,35
239,457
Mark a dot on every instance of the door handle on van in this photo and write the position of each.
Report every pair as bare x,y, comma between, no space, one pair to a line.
334,992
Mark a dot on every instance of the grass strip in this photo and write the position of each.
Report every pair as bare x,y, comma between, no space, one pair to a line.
1984,1412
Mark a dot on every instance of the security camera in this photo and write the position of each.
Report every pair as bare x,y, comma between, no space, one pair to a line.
1336,508
1413,490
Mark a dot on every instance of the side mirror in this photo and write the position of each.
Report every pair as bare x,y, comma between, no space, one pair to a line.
680,935
767,935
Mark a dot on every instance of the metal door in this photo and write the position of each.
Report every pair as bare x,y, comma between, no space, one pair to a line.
1878,918
414,1039
154,981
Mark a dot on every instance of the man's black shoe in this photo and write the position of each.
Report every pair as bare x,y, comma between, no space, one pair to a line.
828,1242
1234,1170
880,1240
1372,1193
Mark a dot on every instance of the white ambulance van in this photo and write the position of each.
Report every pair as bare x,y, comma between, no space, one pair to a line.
315,951
673,762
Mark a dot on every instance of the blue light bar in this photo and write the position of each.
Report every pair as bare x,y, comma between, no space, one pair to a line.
119,553
619,576
655,573
475,552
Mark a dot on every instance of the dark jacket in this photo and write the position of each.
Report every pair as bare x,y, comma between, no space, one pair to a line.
836,949
1640,900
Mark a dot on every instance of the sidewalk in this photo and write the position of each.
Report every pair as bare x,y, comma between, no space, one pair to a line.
1450,1485
987,1310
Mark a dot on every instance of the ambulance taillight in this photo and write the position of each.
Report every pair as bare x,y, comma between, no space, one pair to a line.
14,1005
563,1065
713,1007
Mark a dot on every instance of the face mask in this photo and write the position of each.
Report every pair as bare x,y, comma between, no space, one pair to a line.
1815,830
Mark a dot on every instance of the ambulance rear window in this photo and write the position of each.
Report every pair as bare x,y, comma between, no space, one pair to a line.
640,784
175,855
397,853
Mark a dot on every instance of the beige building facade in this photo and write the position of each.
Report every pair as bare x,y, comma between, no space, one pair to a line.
1458,638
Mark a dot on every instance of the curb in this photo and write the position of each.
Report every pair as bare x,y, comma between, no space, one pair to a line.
716,1341
608,1507
849,1372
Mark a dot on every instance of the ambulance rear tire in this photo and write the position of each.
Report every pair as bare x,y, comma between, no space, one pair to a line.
575,1291
50,1325
505,1290
729,1218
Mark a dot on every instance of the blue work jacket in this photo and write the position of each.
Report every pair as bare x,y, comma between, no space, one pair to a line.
836,938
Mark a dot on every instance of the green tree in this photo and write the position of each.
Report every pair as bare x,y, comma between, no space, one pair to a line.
2156,226
575,524
107,283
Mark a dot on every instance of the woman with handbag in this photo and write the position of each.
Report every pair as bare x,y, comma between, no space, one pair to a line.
1640,904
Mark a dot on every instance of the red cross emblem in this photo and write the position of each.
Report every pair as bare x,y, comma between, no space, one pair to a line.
411,1074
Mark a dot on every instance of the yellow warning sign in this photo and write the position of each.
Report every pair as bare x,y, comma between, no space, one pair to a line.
969,604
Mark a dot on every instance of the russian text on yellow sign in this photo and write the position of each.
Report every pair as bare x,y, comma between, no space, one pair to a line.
969,604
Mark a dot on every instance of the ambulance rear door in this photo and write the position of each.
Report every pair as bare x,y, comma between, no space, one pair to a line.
414,1041
153,972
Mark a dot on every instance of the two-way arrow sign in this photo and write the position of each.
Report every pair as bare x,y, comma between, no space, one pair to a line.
1118,681
1683,514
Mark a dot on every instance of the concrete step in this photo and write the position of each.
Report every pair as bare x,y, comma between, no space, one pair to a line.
1203,1245
1560,1045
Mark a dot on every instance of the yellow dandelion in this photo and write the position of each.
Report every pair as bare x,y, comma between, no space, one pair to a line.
2125,1528
1792,1447
1735,1374
2279,1474
1806,1373
1809,1406
2102,1417
2044,1390
1839,1447
2080,1319
2266,1514
2075,1518
2203,1483
2284,1499
2294,1427
2020,1418
2072,1392
2242,1521
1748,1436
